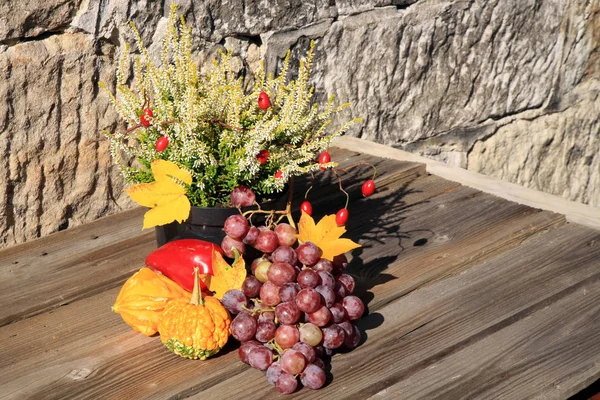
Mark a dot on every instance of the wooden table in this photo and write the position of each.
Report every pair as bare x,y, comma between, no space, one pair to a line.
469,296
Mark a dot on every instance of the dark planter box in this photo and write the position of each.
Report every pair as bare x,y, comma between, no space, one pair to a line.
207,223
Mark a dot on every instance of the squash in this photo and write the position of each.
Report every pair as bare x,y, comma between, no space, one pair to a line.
143,298
198,329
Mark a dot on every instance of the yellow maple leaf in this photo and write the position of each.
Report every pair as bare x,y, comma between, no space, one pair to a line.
225,277
326,235
165,196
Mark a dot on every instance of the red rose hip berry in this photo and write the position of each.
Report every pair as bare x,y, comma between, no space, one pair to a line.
306,207
263,101
262,156
341,217
161,143
324,158
147,113
368,188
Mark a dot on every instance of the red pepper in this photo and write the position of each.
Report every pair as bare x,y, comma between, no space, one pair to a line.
177,260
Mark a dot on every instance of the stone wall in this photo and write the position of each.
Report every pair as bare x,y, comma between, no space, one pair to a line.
508,88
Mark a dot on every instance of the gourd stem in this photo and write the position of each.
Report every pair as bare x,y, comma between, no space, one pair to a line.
197,294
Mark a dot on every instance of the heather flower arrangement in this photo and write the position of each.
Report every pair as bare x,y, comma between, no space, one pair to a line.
213,129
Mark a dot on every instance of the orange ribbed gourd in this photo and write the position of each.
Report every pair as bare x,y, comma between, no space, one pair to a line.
196,329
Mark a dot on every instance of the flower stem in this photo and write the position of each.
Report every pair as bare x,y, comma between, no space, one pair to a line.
288,206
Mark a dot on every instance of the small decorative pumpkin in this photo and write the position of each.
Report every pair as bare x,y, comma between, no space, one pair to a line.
143,298
198,329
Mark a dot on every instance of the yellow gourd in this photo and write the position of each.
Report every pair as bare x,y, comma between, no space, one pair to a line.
197,329
143,298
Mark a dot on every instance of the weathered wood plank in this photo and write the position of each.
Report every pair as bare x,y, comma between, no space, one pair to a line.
550,354
574,211
117,247
408,245
512,301
128,370
74,277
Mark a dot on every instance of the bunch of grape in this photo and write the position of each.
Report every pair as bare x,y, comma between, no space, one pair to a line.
295,308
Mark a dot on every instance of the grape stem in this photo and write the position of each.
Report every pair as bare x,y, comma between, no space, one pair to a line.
288,206
276,347
271,214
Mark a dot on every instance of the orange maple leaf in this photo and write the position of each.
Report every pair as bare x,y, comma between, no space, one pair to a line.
225,277
326,235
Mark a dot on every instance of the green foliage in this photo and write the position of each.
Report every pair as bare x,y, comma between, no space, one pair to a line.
215,129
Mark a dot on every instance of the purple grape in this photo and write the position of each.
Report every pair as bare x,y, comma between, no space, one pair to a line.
313,377
243,327
255,263
265,330
308,300
286,234
250,238
308,253
284,254
340,263
251,286
236,226
339,291
307,278
266,315
319,351
287,313
354,307
333,336
289,291
260,357
242,196
338,313
229,243
327,279
273,373
321,317
234,301
319,363
327,295
269,294
353,338
307,350
266,241
287,336
281,273
293,362
348,282
286,384
323,265
244,350
346,326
